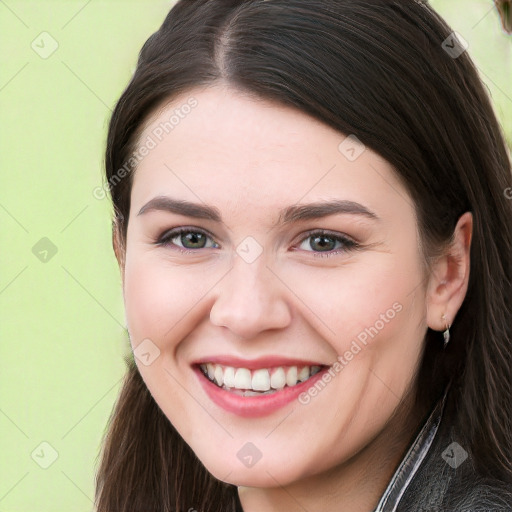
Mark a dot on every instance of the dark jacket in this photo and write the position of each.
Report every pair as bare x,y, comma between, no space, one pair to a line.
437,475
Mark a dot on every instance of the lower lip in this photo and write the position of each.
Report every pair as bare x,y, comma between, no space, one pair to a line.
254,406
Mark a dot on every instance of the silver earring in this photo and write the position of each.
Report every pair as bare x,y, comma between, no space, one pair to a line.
446,333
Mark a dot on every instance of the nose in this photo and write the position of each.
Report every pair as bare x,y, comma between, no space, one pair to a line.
250,299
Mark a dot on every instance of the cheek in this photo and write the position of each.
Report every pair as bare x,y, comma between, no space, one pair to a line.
346,302
160,302
372,315
146,294
158,296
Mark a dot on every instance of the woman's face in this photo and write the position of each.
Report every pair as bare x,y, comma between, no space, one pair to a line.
296,285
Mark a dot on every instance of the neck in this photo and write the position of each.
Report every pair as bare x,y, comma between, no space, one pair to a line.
355,485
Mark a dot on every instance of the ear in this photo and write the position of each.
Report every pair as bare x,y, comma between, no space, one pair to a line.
449,280
118,243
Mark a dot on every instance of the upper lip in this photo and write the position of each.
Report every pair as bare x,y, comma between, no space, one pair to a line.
255,364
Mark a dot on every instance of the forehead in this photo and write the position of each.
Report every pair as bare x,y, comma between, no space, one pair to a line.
224,147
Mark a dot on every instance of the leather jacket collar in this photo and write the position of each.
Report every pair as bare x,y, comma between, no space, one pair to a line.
412,461
437,474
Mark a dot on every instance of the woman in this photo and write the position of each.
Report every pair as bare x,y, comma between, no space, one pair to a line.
313,229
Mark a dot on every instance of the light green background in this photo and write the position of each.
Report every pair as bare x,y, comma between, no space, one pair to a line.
62,321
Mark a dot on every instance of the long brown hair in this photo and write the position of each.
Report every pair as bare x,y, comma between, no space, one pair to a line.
380,70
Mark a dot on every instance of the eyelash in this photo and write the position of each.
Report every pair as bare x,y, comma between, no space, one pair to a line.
349,245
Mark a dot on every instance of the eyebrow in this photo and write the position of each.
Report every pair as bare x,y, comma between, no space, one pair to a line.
288,215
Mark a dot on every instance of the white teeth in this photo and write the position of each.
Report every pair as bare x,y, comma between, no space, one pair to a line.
229,377
278,379
291,376
303,374
257,382
219,375
243,379
260,380
211,370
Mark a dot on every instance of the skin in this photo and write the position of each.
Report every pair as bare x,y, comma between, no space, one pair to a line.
250,158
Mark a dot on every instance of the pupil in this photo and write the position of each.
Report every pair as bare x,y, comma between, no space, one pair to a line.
195,239
321,240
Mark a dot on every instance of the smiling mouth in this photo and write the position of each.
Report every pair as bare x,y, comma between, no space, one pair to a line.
263,381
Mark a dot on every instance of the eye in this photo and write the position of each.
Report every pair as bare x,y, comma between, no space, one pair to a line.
187,239
321,243
324,243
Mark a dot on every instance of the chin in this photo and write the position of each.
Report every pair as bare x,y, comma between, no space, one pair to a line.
273,473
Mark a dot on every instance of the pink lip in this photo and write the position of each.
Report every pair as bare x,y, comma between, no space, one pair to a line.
254,406
255,364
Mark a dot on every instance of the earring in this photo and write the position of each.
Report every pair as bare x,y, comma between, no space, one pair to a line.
446,333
